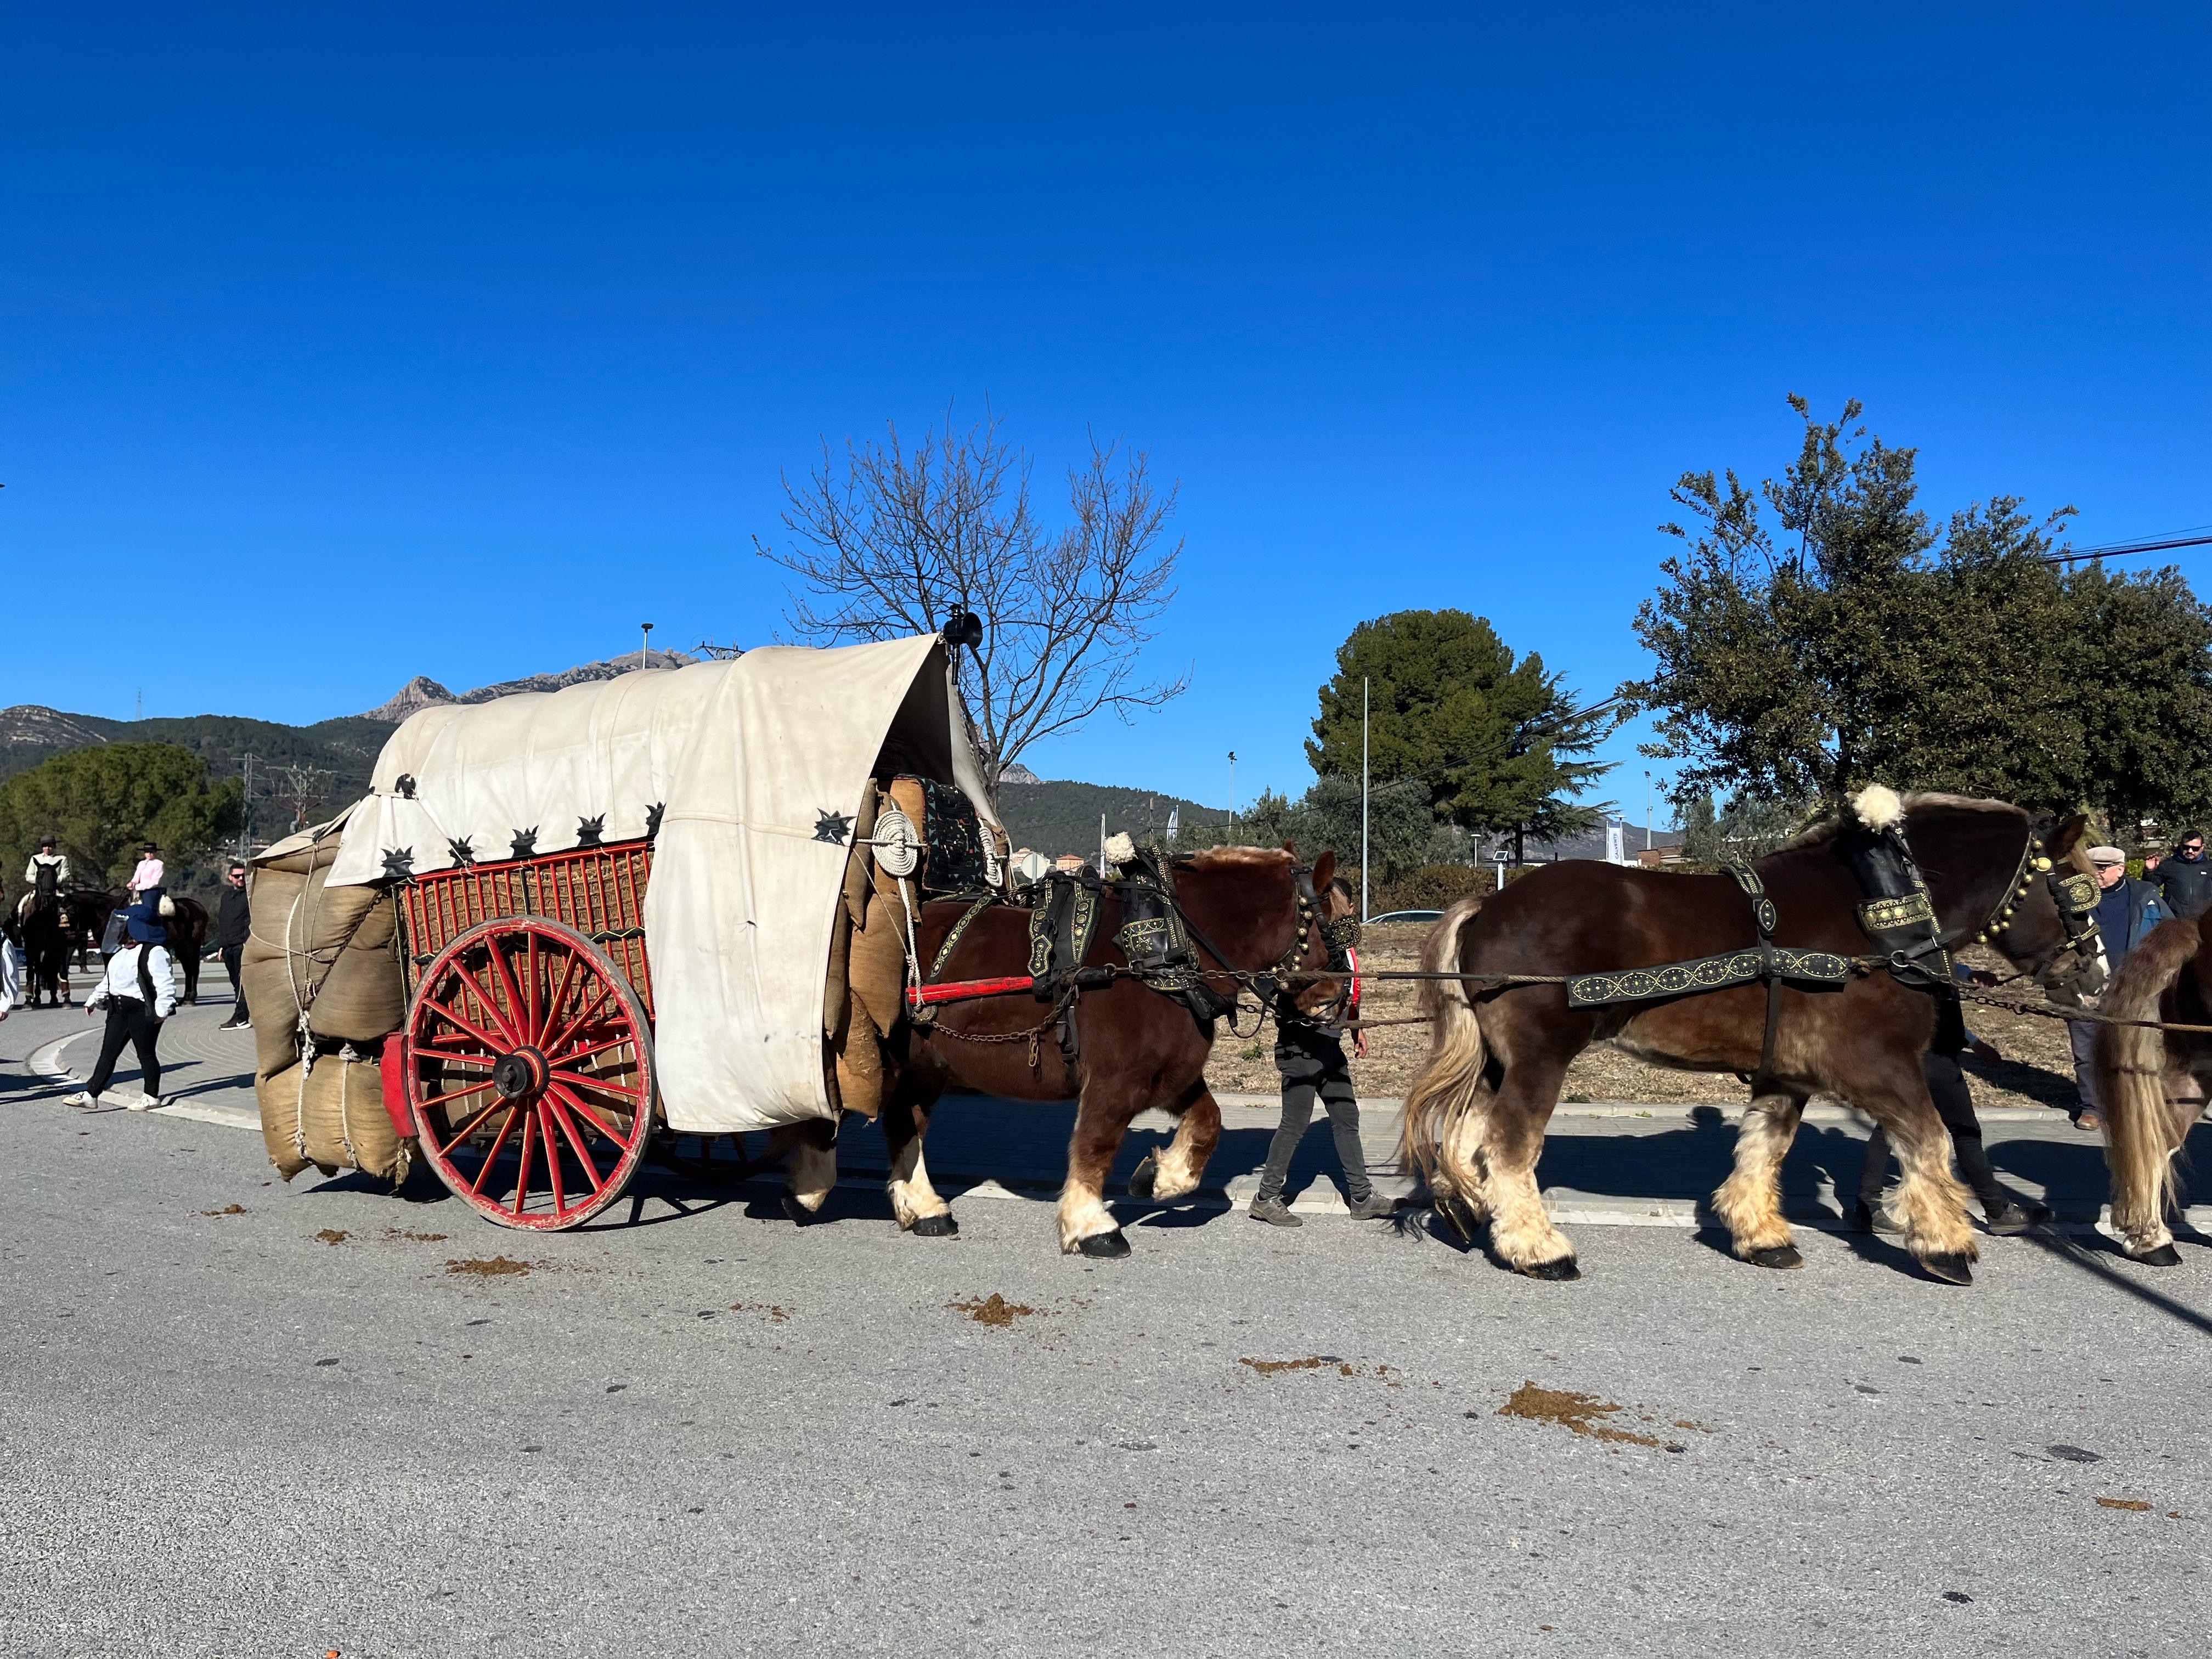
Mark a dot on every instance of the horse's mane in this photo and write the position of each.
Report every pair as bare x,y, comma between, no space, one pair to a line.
1223,858
1821,833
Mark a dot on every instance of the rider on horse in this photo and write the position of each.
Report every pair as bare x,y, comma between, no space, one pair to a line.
48,872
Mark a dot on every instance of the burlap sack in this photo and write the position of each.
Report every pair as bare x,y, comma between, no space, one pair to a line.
333,946
867,976
330,1114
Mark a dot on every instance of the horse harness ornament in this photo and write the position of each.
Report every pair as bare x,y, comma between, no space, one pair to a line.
1159,941
1897,914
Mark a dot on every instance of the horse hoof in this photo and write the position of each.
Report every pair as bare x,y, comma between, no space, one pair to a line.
936,1226
799,1214
1776,1255
1143,1180
1106,1247
1561,1270
2164,1256
1953,1267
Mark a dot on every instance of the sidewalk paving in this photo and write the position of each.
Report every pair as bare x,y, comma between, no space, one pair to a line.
1604,1163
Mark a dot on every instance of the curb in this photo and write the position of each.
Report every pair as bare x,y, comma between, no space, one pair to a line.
46,1061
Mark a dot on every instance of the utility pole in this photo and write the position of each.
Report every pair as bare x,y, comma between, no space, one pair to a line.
303,790
1362,797
644,644
245,809
1647,811
1232,795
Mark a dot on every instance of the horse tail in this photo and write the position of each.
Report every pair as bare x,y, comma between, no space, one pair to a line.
2141,1136
1450,1082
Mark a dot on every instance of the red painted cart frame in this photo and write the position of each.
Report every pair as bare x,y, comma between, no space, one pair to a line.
524,1069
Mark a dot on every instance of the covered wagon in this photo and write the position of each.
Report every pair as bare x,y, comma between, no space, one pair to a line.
562,923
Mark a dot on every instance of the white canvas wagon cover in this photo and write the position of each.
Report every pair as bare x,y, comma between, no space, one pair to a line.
755,768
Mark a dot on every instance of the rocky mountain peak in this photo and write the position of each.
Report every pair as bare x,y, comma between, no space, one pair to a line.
424,692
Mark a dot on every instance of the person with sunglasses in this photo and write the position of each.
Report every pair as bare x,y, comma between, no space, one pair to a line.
2184,881
233,922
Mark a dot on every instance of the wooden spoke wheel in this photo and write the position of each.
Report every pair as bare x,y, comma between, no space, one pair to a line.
529,1069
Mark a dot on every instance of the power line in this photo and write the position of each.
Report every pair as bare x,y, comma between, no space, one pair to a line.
2122,549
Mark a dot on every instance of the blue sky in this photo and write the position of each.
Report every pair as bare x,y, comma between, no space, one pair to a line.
377,341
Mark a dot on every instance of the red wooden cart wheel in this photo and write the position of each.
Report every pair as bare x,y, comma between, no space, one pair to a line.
529,1069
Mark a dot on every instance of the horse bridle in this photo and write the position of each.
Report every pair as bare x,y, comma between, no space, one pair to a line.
1162,971
2074,896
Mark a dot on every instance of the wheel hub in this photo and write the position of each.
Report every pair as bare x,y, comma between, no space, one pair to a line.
525,1071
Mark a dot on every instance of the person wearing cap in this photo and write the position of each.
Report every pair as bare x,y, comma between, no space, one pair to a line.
146,879
2126,909
233,924
139,991
53,865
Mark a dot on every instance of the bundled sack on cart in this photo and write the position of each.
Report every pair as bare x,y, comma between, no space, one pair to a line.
952,852
326,1109
322,978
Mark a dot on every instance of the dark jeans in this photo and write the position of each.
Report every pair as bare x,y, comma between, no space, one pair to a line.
1313,1065
130,1021
2081,1037
1955,1104
232,955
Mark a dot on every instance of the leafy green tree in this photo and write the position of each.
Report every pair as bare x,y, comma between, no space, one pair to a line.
2144,674
100,803
1856,649
1701,832
1492,739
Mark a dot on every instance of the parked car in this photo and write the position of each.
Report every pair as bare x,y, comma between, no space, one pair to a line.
1393,916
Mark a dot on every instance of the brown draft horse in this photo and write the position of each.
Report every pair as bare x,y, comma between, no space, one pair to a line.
1475,1117
1137,1049
2151,1085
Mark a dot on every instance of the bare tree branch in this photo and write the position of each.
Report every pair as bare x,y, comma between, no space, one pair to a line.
884,542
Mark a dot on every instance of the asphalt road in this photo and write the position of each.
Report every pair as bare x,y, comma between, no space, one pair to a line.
249,1418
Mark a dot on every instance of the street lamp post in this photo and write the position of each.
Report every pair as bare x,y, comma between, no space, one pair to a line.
644,644
1232,793
1364,683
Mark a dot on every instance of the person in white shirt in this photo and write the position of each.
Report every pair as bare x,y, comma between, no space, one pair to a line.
139,991
46,859
12,983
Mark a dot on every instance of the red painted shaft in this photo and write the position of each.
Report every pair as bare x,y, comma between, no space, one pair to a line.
962,990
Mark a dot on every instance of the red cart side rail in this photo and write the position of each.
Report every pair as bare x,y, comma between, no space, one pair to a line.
598,891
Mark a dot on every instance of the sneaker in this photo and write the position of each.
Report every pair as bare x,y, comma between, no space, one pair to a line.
1372,1206
144,1104
80,1098
1273,1211
1867,1218
233,1025
2008,1218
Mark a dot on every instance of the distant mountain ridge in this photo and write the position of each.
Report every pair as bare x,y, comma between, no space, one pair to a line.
424,692
330,761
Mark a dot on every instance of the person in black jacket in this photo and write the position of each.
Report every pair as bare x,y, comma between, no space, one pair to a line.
2184,881
232,923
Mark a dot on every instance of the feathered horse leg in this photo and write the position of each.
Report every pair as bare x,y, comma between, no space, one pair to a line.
2140,1070
1749,1202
